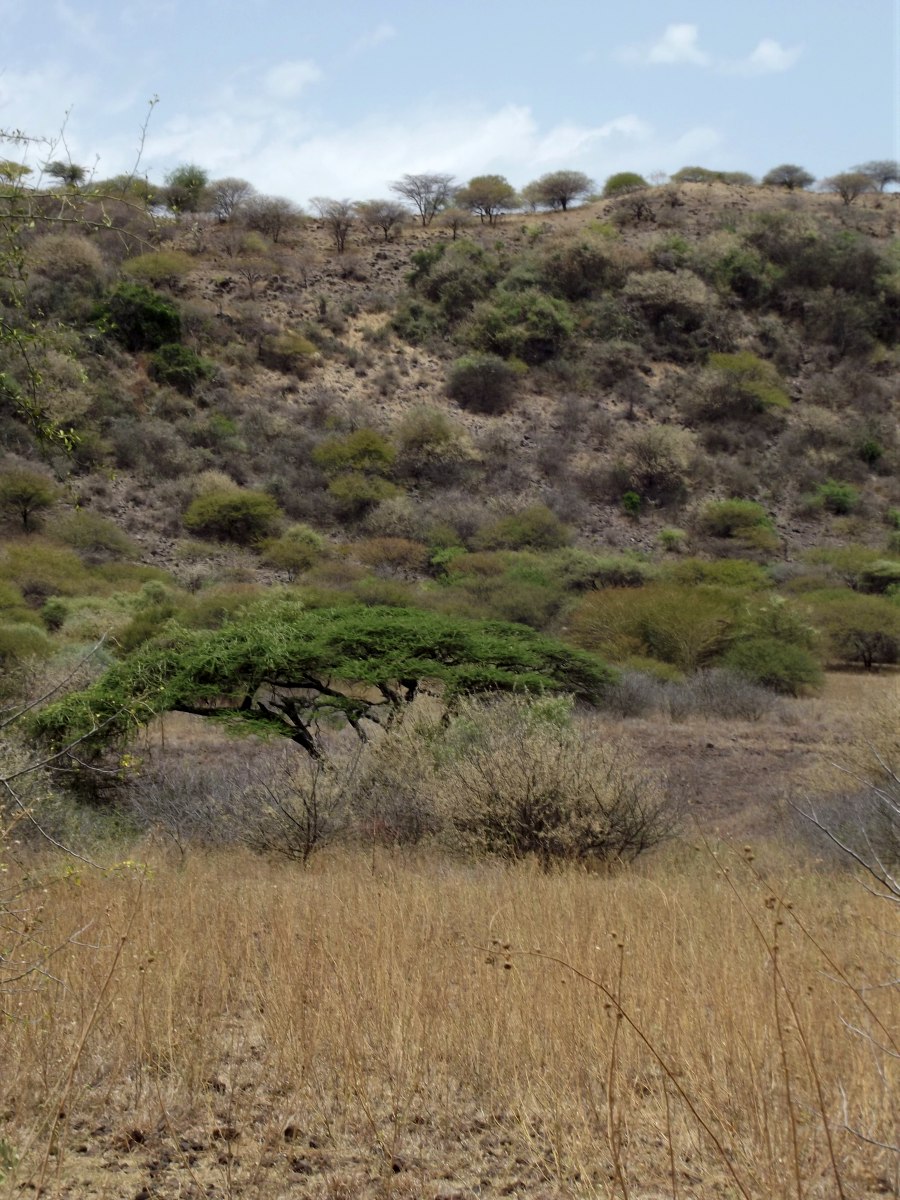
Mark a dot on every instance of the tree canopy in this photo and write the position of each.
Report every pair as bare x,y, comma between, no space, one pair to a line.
280,669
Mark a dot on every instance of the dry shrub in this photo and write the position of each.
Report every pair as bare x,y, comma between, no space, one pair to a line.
392,554
521,779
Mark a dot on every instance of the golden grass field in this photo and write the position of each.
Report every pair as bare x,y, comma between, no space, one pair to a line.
718,1020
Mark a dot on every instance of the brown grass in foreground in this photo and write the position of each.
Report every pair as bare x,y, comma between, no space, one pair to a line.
422,1028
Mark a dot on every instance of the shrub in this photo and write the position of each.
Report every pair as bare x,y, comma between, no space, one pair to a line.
622,182
483,383
657,460
739,386
289,352
233,514
733,518
20,641
431,446
535,527
363,450
520,779
355,492
392,553
166,267
835,497
139,318
675,300
779,665
94,537
860,629
25,493
527,325
578,269
180,367
298,549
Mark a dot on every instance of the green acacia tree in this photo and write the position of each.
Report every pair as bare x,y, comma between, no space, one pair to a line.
279,669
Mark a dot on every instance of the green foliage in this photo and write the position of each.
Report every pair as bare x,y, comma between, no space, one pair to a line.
289,352
860,629
727,573
622,182
740,386
779,665
558,189
656,462
789,176
487,196
233,514
180,367
185,186
159,267
577,269
535,528
483,383
632,503
835,497
689,627
139,318
295,551
363,450
743,520
252,670
24,494
356,492
431,446
94,537
527,325
20,641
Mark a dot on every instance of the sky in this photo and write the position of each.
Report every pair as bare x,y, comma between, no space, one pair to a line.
340,98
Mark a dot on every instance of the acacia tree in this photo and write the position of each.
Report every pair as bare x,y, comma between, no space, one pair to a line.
281,669
487,196
881,172
185,186
558,189
849,185
69,174
339,217
228,196
386,215
789,176
272,216
428,193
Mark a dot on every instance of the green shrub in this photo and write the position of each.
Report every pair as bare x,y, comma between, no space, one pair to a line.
739,386
775,664
363,450
578,269
622,182
180,367
355,492
295,551
19,641
526,325
483,383
734,519
24,494
728,573
233,514
289,352
657,462
860,629
535,528
835,497
672,540
139,318
94,537
632,503
166,267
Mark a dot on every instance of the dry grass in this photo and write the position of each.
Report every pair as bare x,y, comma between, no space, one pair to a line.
424,1028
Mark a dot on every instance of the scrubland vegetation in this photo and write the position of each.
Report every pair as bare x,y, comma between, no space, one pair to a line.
536,544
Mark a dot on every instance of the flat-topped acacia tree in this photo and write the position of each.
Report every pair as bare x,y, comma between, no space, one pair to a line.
281,669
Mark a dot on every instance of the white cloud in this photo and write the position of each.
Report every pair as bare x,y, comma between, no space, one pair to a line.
288,79
678,44
384,32
768,57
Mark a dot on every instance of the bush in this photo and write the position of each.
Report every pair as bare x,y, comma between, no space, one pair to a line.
180,367
622,182
25,493
483,383
363,450
431,446
835,497
166,267
774,664
139,318
290,353
860,629
233,514
298,549
732,518
526,325
578,269
657,462
535,528
739,386
94,537
520,779
355,492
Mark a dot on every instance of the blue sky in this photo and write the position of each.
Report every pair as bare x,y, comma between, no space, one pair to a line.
339,98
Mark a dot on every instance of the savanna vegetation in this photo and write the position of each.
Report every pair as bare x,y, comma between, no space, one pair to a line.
448,675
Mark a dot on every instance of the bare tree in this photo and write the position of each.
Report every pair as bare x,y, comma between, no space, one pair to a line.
428,193
456,219
272,215
228,196
387,215
339,217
